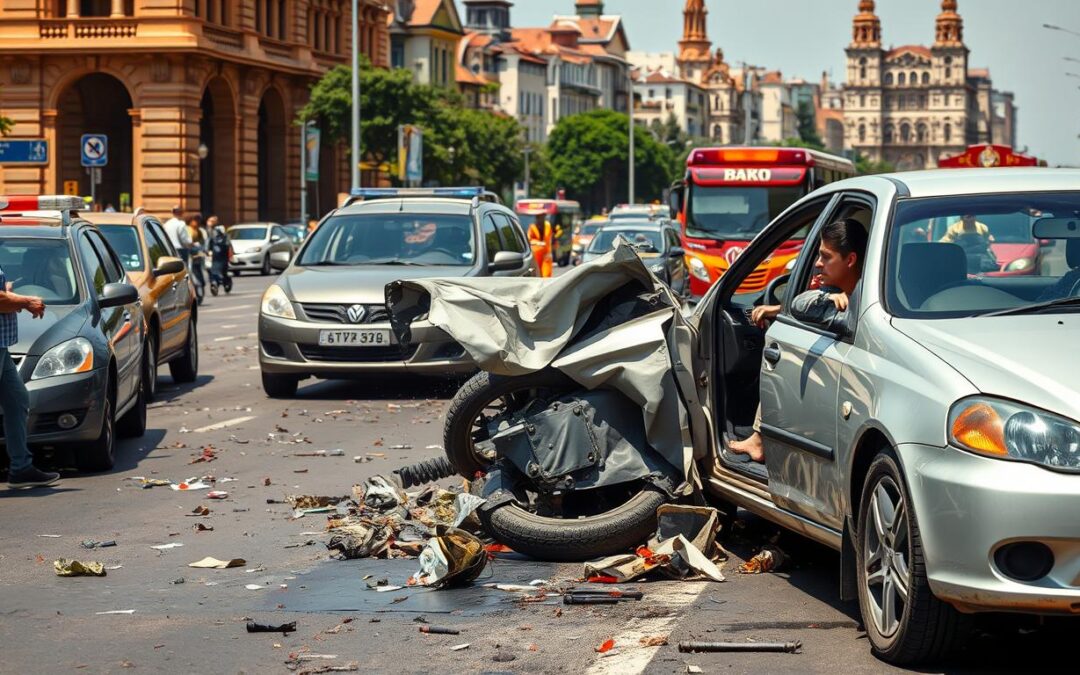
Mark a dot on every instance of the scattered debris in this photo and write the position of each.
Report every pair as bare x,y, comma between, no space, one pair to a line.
189,484
147,483
439,630
653,641
606,647
51,536
778,647
311,501
78,568
165,547
200,527
502,656
350,667
458,648
217,494
693,669
91,543
115,611
769,559
453,557
200,510
284,628
214,563
257,587
676,556
208,454
177,581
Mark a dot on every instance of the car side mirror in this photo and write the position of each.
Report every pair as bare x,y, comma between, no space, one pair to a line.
116,295
276,238
505,261
677,252
675,197
168,265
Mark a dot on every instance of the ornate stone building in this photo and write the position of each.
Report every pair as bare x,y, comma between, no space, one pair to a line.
163,78
911,105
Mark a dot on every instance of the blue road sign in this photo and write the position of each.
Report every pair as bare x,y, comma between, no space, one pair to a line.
95,149
24,151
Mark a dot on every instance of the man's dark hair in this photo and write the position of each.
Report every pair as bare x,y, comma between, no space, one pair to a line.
846,236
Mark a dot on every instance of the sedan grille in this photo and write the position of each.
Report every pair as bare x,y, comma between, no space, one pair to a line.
340,313
357,354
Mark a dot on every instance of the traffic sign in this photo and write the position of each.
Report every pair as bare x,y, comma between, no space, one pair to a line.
24,151
95,149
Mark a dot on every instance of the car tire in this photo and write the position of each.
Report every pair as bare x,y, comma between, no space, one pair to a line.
265,269
133,423
280,386
98,455
150,349
889,548
186,368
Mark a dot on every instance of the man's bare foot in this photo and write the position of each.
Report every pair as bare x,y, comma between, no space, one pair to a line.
751,447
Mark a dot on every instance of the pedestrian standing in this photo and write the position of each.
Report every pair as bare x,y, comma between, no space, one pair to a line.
198,258
178,233
14,399
220,253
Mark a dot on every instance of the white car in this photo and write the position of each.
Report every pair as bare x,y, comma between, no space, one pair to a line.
260,247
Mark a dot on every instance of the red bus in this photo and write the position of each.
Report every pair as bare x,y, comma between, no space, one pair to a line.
729,195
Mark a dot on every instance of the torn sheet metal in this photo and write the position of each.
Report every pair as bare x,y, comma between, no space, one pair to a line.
607,323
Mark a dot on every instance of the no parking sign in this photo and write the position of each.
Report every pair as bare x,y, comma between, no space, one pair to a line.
95,150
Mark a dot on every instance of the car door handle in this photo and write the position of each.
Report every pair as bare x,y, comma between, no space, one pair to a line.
772,354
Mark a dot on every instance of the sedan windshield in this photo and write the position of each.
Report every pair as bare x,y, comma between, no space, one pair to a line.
986,254
649,240
40,267
247,233
125,241
392,239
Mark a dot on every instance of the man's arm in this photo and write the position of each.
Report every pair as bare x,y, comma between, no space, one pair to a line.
819,307
13,302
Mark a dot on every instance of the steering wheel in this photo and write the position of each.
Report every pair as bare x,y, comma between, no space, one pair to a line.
774,294
1075,289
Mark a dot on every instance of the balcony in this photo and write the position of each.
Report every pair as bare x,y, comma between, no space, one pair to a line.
86,29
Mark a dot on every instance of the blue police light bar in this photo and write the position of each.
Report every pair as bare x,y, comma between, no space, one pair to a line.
405,193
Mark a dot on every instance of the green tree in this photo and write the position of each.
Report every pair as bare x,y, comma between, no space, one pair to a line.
865,166
808,126
801,143
588,156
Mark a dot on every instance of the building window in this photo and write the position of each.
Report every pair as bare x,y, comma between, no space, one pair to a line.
920,133
905,133
914,78
397,53
862,133
890,133
948,73
888,79
862,100
926,78
901,79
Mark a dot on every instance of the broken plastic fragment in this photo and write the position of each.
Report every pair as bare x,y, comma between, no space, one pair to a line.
606,647
214,563
78,568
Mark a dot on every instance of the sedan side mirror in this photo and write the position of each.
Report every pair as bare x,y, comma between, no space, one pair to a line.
116,295
168,265
276,238
677,252
506,261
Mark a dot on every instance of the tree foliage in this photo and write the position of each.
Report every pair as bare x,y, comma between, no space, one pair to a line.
808,126
461,146
588,157
865,166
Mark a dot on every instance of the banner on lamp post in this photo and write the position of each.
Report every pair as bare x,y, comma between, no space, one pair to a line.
410,154
311,148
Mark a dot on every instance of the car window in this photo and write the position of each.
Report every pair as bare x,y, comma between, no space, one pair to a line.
392,239
40,267
94,268
508,234
114,273
491,237
247,233
673,238
158,240
124,240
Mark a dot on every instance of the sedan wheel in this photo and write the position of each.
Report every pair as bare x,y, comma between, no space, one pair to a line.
886,557
265,271
150,376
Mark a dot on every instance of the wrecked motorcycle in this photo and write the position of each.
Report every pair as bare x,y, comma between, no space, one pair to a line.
581,421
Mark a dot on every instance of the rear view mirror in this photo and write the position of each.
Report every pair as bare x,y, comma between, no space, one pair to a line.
1056,228
677,252
504,261
168,265
115,295
276,238
675,197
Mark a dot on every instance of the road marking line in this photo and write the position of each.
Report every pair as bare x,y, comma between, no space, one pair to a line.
223,425
226,338
222,309
229,325
630,658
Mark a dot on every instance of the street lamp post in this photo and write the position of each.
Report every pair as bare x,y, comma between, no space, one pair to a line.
1049,26
630,108
303,172
355,179
528,151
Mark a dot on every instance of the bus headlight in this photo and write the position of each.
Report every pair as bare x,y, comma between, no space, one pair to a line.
698,270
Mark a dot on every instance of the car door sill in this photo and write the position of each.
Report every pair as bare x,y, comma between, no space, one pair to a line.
753,499
799,442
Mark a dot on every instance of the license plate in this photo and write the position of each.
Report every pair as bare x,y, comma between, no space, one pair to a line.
354,338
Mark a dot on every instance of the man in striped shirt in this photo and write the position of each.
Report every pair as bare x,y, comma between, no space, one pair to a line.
14,399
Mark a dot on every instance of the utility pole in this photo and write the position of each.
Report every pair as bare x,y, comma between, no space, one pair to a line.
630,107
355,182
528,186
303,172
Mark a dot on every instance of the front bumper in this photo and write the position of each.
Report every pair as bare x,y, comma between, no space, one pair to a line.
969,507
291,347
81,395
247,261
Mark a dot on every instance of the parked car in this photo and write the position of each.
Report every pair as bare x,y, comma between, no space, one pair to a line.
168,296
936,441
297,231
83,363
1005,249
583,234
657,242
637,211
326,316
260,247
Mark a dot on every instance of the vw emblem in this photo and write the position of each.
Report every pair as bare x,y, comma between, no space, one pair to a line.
732,254
356,313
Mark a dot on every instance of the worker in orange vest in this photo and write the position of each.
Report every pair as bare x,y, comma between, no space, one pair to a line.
541,237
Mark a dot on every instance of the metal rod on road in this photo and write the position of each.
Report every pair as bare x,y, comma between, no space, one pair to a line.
355,176
778,647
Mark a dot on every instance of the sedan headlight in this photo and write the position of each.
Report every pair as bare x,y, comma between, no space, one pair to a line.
697,268
1020,264
1007,430
276,303
66,358
257,249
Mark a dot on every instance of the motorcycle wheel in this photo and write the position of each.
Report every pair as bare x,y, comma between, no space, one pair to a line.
602,522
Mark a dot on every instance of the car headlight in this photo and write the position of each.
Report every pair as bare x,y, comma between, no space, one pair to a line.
1007,430
1020,264
66,358
697,268
276,303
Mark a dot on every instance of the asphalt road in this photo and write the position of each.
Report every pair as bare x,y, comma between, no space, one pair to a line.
193,620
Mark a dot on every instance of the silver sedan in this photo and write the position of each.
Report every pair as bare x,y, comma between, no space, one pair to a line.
932,437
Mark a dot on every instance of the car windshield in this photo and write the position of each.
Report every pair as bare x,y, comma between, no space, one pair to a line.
590,229
647,240
986,254
392,239
736,213
40,267
247,233
125,241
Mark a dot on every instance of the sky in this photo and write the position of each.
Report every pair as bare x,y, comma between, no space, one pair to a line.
803,38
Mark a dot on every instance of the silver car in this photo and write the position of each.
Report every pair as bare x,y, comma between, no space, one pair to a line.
326,316
935,440
260,247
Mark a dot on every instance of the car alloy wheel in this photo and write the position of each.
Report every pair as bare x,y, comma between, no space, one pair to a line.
886,556
150,376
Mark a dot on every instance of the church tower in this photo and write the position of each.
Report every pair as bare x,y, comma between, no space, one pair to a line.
949,58
694,48
863,95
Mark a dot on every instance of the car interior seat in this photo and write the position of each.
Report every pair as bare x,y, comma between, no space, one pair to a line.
453,239
928,268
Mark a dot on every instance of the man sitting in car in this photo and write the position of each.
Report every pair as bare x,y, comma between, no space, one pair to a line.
840,267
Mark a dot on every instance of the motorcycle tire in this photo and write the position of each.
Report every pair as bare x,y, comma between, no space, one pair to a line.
619,530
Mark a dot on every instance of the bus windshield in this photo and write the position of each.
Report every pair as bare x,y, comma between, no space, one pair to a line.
738,213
